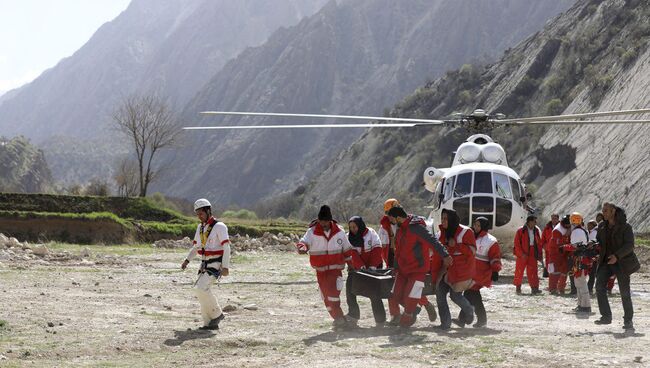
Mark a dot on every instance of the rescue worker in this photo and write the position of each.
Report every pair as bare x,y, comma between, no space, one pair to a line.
557,266
329,250
365,242
616,240
582,261
488,265
547,234
528,250
413,244
461,245
212,243
387,236
387,233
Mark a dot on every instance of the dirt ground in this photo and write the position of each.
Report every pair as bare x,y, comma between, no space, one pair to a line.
117,307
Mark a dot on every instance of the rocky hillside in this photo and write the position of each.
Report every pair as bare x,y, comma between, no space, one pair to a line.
353,56
22,167
171,48
594,57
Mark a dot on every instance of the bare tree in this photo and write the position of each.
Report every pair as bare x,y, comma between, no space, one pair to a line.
126,178
150,125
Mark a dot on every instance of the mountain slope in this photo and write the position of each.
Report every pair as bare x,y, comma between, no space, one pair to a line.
170,48
594,57
351,57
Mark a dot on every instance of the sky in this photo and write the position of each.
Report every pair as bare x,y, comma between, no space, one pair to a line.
36,34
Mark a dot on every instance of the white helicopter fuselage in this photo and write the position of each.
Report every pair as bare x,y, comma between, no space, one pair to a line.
479,184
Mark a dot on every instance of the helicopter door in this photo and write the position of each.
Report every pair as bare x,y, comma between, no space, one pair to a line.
503,193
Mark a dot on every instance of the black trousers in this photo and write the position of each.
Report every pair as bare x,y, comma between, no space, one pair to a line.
605,271
592,277
377,304
476,300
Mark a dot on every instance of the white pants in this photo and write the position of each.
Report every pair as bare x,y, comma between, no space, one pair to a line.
584,299
210,308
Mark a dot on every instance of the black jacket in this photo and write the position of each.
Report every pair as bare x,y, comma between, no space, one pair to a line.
621,243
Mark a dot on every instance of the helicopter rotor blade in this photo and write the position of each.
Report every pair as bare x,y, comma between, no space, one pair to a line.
575,122
575,116
311,126
321,116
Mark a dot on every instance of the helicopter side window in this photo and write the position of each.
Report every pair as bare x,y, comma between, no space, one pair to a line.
448,188
502,186
515,189
482,182
463,185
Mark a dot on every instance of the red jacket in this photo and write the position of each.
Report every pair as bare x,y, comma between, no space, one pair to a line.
523,247
561,236
488,260
370,253
328,252
413,244
547,235
463,253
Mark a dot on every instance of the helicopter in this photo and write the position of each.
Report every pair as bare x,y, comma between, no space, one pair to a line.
479,183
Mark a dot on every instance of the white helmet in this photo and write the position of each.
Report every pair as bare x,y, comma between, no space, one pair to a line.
200,203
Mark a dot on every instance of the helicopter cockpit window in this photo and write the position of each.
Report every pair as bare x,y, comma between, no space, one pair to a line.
482,182
515,189
463,185
502,186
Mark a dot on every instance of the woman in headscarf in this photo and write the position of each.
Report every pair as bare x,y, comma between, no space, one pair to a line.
366,243
461,245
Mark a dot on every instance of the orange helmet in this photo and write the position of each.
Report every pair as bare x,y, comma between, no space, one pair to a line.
576,218
390,203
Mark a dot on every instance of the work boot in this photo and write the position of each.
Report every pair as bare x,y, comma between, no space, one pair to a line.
535,291
431,311
214,323
480,323
351,321
628,325
458,322
339,324
394,321
518,289
603,321
554,292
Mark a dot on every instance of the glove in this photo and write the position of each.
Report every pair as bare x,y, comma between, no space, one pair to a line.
545,274
495,276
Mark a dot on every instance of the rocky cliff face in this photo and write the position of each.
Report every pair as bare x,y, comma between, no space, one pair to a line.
351,57
592,58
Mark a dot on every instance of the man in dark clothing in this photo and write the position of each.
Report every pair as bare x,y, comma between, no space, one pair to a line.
616,257
413,244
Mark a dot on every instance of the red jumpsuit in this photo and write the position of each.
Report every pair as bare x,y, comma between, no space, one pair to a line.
547,235
328,254
413,244
527,257
557,266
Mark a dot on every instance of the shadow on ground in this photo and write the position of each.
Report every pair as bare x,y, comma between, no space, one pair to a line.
181,336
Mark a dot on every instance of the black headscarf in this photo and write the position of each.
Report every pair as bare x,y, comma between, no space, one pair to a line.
484,223
453,221
357,239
